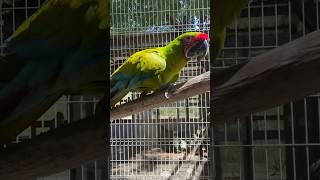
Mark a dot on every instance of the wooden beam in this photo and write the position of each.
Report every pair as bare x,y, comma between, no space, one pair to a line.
286,73
57,150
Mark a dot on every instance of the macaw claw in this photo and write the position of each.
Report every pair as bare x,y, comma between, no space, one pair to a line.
169,90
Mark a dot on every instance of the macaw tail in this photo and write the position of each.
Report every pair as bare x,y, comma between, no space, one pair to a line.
23,100
117,91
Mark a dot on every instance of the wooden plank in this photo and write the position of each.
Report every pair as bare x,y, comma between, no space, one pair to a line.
286,73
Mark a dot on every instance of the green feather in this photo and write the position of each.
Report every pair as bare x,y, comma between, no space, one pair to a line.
75,17
224,13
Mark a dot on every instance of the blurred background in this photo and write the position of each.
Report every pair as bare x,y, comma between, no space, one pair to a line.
66,110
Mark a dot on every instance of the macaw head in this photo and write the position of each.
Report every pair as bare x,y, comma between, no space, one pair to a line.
195,45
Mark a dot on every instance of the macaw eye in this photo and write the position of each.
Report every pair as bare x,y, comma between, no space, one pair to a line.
188,38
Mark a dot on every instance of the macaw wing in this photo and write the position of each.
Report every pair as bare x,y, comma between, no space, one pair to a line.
56,28
140,67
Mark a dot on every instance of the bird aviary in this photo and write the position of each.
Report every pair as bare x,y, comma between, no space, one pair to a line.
66,110
169,142
282,142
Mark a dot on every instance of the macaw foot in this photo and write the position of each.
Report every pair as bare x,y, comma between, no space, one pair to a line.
168,93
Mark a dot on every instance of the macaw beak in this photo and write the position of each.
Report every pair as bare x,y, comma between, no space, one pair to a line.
198,50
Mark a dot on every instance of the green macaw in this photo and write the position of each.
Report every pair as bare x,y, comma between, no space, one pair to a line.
60,49
224,13
152,69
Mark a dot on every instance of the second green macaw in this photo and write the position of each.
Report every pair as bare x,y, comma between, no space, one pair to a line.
60,49
224,13
152,69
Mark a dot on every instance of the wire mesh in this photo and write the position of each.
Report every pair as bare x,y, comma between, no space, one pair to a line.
283,142
170,142
66,110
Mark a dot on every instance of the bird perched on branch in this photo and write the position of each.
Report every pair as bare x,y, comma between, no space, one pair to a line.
60,49
152,69
224,13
